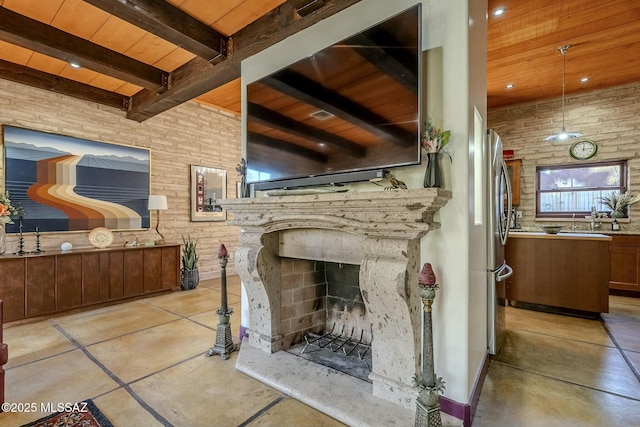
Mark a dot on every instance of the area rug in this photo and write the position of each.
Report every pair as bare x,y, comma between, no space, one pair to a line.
82,414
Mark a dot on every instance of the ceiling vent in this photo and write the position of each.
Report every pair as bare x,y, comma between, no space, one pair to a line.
321,115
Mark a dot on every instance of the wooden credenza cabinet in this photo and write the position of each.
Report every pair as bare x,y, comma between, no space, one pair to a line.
624,262
51,282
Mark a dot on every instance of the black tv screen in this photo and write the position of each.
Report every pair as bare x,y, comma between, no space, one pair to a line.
353,106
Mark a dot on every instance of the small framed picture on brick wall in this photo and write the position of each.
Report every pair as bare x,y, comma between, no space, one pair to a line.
208,185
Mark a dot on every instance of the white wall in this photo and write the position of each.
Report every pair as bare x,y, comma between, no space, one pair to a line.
460,309
477,77
458,250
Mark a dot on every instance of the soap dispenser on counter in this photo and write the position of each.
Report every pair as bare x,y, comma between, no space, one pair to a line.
615,225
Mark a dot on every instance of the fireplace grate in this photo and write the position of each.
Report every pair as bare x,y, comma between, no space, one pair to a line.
350,345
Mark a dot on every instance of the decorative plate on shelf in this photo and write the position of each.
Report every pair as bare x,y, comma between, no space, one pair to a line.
101,237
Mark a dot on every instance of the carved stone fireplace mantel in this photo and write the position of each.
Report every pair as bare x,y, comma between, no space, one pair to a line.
381,230
403,214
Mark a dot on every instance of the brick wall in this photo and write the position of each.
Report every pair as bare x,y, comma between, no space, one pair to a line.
609,117
185,135
303,299
315,295
345,305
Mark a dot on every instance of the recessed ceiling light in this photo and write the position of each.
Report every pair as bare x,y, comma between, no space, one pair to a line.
74,65
499,12
510,86
584,79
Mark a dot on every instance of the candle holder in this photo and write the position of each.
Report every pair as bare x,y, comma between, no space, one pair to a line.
38,248
427,407
224,342
21,250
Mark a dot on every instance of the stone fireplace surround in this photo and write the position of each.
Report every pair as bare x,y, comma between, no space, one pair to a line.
380,231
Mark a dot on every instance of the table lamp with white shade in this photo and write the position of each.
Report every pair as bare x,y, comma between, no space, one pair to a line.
158,203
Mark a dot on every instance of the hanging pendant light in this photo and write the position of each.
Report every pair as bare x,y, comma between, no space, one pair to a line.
564,134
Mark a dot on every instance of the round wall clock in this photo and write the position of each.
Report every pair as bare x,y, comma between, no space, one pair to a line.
583,149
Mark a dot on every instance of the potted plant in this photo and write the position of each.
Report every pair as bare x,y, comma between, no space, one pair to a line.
618,202
189,276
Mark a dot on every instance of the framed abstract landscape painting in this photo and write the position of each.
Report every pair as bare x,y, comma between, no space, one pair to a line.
72,184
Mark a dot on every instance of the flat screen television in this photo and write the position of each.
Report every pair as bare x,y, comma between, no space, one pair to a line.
343,114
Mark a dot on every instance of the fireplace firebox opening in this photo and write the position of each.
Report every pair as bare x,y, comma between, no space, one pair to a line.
324,317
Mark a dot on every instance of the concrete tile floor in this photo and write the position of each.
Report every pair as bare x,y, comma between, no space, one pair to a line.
143,364
556,370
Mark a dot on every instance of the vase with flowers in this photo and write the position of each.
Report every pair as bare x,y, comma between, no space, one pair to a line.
434,140
6,211
241,168
619,202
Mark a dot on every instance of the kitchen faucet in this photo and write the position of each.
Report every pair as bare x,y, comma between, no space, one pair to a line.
574,226
594,216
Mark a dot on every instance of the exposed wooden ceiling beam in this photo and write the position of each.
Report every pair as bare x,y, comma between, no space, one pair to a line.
303,89
170,23
278,144
31,34
305,7
285,124
29,76
195,78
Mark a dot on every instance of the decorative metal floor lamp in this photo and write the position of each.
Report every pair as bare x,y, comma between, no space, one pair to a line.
224,342
427,407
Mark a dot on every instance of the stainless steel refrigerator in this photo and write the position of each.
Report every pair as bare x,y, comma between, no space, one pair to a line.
499,218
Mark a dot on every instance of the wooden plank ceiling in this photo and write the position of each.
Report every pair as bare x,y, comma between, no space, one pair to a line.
604,36
147,56
144,56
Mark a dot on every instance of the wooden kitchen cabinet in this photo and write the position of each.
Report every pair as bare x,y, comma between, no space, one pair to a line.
624,262
567,271
51,282
514,167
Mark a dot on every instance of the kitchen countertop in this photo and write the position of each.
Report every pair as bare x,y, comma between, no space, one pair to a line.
560,236
606,232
